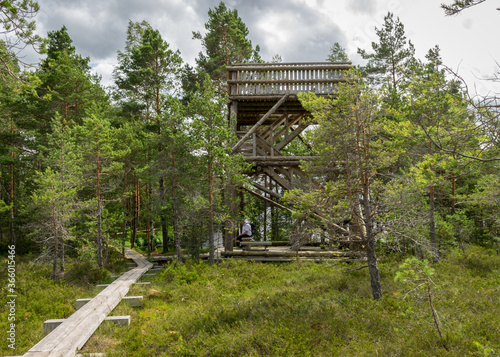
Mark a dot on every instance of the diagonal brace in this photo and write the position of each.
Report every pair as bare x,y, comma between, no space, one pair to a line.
259,123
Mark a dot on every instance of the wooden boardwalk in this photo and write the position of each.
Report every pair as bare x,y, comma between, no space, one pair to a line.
73,333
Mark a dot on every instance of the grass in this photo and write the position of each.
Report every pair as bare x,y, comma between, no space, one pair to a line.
306,309
38,298
240,308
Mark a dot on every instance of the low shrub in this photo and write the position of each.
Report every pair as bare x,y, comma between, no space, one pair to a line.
85,273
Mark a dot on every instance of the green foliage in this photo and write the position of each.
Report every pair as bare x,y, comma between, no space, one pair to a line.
182,274
213,140
38,299
147,71
391,56
458,6
18,26
307,309
85,273
414,273
337,54
224,43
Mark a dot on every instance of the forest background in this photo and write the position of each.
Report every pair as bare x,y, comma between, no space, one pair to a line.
405,149
81,166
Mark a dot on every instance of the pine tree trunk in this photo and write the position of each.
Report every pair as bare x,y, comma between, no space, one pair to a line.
266,205
175,207
229,223
151,219
125,212
370,247
432,225
211,252
135,219
61,258
56,243
164,227
12,236
432,222
99,234
99,212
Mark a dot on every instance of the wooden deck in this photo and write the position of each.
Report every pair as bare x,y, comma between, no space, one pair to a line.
287,254
73,333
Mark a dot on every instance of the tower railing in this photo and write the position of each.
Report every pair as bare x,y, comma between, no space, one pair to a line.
271,79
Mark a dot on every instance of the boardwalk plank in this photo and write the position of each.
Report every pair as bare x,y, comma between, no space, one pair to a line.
73,333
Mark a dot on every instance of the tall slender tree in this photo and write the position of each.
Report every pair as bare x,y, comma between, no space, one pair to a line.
11,141
225,42
98,143
148,71
213,137
390,58
353,144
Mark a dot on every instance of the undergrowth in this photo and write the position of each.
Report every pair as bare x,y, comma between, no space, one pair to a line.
239,308
38,298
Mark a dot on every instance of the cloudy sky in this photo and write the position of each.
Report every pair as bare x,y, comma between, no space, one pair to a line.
297,30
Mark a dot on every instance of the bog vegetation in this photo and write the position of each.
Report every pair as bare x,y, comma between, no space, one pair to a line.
238,308
404,151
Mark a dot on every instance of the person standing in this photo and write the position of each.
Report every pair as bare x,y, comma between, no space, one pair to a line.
246,231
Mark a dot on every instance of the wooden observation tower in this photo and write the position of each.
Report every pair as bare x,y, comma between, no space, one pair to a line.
268,116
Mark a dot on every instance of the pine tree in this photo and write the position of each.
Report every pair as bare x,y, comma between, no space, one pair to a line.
54,202
391,56
224,43
67,87
99,145
353,144
213,137
337,54
148,71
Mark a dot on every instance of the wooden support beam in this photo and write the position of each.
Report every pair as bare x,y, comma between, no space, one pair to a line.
276,204
259,123
285,172
266,190
50,325
265,134
267,147
290,124
291,136
269,171
292,253
280,158
277,163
